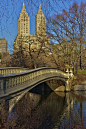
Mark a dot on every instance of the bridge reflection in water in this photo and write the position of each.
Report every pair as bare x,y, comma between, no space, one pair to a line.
42,111
35,111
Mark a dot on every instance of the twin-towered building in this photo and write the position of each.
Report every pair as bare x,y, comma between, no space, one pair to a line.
31,42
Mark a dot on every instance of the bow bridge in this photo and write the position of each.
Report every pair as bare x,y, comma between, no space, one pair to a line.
15,79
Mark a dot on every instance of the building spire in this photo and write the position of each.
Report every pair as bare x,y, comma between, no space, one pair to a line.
40,5
23,5
23,8
40,22
40,9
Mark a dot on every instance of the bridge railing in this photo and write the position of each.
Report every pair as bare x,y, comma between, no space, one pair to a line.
28,77
12,70
14,80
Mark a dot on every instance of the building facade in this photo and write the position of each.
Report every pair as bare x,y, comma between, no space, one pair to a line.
24,23
31,42
40,23
3,46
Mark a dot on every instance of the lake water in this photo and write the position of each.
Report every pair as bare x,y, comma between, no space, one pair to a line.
50,110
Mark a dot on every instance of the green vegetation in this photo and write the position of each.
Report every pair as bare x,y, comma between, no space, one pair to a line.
80,76
49,66
68,66
79,72
43,65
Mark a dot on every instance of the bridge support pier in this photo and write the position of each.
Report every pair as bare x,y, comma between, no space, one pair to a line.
68,85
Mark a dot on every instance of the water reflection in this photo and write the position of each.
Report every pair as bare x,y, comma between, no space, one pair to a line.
42,111
77,115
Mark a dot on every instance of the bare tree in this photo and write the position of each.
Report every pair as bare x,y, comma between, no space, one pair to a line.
70,25
31,51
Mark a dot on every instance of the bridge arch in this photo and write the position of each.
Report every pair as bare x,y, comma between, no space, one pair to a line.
55,83
12,83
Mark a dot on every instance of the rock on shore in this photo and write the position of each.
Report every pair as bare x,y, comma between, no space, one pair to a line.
80,87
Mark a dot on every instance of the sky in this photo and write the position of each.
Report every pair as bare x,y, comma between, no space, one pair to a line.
11,9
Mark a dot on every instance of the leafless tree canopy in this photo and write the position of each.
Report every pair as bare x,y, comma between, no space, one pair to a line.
70,26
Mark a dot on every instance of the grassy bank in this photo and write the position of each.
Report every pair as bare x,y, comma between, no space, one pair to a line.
79,72
79,77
